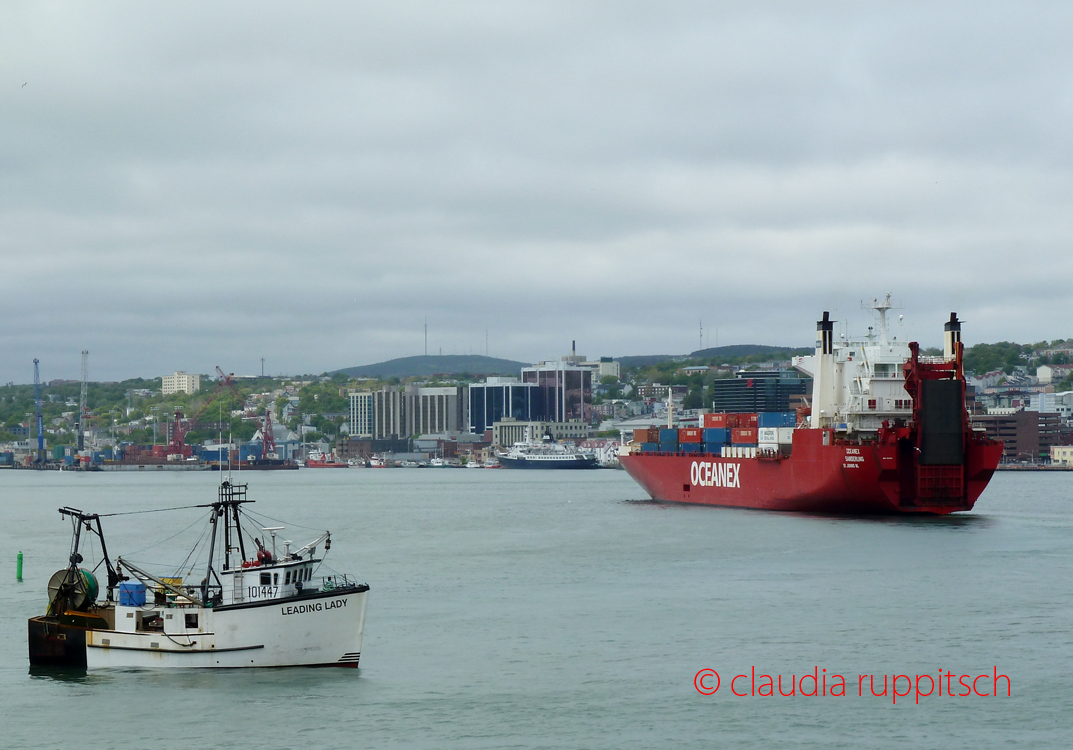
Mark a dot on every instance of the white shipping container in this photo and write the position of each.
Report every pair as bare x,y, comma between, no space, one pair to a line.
786,435
767,435
767,447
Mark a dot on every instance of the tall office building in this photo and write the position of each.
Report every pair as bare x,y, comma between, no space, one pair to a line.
503,398
401,411
565,389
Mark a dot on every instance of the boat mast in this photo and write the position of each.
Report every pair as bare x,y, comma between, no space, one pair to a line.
226,507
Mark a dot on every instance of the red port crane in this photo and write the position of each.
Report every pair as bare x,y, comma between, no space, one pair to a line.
180,431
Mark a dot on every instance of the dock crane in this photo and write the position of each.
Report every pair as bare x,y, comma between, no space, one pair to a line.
179,431
83,411
37,414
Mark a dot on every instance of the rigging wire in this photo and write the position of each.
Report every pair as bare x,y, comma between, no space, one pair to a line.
156,544
151,510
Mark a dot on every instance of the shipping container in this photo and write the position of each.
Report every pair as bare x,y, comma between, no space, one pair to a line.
743,436
668,435
646,435
715,435
777,419
767,447
713,420
689,447
689,435
649,447
767,435
57,452
786,435
715,449
668,447
747,420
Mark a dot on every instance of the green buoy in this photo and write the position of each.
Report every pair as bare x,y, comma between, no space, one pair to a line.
18,567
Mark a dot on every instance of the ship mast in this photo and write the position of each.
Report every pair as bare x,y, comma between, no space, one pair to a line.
227,507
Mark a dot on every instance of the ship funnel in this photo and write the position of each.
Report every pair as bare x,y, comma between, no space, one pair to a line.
951,337
825,334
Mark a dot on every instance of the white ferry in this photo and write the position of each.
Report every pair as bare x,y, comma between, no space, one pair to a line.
252,608
545,454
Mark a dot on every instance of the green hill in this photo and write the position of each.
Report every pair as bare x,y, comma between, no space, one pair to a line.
429,365
749,350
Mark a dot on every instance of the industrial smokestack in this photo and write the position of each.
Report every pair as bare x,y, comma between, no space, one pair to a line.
825,334
951,337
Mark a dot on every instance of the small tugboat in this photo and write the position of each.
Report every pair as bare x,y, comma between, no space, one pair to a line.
252,608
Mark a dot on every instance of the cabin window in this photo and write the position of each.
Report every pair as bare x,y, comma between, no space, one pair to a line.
309,574
871,403
266,579
275,578
191,621
287,578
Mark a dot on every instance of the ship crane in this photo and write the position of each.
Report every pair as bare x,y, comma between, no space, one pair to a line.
38,416
83,411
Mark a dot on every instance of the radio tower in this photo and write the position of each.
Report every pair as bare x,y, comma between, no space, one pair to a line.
37,413
82,410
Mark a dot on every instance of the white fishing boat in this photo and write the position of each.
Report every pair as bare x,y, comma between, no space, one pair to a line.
254,607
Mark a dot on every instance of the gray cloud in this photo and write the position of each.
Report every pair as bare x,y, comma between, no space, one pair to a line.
188,186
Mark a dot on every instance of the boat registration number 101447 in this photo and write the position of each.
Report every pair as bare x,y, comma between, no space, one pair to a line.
263,592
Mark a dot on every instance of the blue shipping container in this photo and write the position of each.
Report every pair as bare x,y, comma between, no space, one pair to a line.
667,435
714,448
668,447
776,419
689,447
716,435
649,447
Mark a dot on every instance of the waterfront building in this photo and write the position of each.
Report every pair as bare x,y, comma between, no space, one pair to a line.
180,382
361,413
497,399
403,410
1062,455
565,388
759,390
1027,436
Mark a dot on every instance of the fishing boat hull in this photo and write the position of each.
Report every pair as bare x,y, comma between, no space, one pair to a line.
322,629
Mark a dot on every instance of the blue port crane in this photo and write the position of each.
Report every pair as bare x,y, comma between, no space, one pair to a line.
37,414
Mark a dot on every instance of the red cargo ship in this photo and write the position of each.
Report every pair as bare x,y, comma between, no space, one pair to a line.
887,433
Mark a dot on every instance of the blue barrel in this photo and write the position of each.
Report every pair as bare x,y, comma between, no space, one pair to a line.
132,594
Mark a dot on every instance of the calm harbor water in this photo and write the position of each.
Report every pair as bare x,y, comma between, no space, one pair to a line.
560,610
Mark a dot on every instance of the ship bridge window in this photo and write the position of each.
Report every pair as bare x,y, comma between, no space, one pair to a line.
266,579
191,621
287,578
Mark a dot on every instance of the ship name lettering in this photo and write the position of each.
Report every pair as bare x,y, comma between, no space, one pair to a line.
853,451
715,474
301,609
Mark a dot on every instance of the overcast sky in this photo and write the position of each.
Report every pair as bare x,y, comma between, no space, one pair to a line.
188,185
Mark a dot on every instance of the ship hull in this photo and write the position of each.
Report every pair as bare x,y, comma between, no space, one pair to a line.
324,629
836,478
528,463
